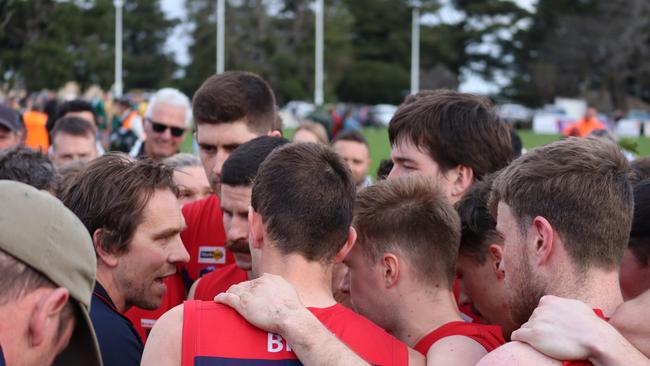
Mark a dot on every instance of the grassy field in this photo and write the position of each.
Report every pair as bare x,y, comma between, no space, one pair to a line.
380,148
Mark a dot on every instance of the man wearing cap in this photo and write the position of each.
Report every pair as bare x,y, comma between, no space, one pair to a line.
47,281
12,128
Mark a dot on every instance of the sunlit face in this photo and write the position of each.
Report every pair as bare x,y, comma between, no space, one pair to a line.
160,145
216,142
634,276
366,285
523,285
8,138
357,156
192,184
408,159
153,253
234,204
68,148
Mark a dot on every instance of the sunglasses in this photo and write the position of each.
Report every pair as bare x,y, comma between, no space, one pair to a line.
160,128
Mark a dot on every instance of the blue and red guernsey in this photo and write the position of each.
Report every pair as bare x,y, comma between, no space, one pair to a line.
216,335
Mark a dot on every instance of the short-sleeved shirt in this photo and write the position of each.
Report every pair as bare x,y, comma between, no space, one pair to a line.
214,334
143,320
204,237
219,281
488,336
119,343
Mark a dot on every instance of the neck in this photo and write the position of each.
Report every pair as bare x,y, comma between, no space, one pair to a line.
421,310
105,278
312,280
597,288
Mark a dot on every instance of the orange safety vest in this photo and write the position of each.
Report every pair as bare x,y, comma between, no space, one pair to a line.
35,124
128,121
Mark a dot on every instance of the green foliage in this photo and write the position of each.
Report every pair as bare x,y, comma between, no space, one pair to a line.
47,43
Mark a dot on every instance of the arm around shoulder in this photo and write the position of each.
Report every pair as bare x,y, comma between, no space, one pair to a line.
164,345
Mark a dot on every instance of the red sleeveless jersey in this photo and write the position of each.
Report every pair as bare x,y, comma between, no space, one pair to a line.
204,237
219,281
488,336
143,320
214,334
600,314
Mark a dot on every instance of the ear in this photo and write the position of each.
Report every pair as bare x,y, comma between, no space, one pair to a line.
390,268
109,259
495,255
349,243
464,178
544,238
275,133
256,227
45,315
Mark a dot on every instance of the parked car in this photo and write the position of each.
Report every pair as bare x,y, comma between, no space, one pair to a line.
381,114
516,115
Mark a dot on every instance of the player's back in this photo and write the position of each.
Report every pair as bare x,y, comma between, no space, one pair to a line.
215,334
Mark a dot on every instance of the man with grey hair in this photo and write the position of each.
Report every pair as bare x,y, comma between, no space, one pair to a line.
166,122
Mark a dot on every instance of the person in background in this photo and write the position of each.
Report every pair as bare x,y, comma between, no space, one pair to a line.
166,121
73,139
189,177
585,125
354,149
12,128
310,132
29,166
35,124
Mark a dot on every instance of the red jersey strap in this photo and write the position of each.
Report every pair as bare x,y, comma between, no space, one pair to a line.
219,281
488,336
600,314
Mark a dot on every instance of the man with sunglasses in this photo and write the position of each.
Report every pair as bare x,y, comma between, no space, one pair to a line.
166,122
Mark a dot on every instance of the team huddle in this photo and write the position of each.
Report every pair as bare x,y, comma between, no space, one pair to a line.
466,253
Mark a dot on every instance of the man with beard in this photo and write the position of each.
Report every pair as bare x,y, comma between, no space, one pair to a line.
229,110
236,186
564,212
478,271
297,233
132,214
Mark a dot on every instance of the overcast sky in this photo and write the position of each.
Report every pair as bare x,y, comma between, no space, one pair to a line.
179,42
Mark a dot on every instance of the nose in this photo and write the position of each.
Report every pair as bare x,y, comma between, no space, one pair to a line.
221,158
393,172
238,228
178,252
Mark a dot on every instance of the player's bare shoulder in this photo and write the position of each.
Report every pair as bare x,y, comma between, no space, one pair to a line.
517,353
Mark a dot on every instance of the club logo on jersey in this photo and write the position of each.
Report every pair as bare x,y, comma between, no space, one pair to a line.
147,323
212,255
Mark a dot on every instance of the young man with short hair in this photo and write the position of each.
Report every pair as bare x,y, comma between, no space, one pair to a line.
402,269
354,150
73,139
564,212
456,138
131,211
237,177
298,234
478,269
229,109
